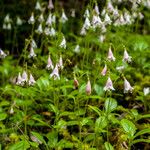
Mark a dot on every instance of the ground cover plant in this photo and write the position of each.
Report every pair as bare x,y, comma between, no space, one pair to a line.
81,80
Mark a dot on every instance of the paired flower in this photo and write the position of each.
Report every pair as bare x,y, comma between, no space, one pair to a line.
22,80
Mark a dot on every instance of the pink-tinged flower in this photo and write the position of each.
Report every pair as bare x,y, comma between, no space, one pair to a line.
109,85
110,55
49,63
39,29
50,4
32,53
55,73
60,63
19,80
88,88
104,71
127,87
24,76
31,80
2,54
126,57
76,83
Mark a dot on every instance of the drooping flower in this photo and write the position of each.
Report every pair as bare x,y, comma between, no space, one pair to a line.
146,90
120,68
38,6
32,53
49,63
87,13
31,20
55,73
110,55
77,49
107,19
76,83
126,56
87,23
63,18
33,44
41,18
19,21
49,20
19,80
31,80
52,32
101,38
88,88
83,31
50,4
63,43
2,54
39,29
96,21
127,86
109,85
24,76
104,71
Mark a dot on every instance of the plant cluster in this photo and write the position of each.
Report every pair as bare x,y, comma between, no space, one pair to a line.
79,83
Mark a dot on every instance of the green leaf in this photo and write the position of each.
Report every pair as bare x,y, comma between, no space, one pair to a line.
144,131
141,140
96,109
54,109
108,146
65,144
128,127
110,105
3,116
52,139
21,145
38,136
98,89
100,123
